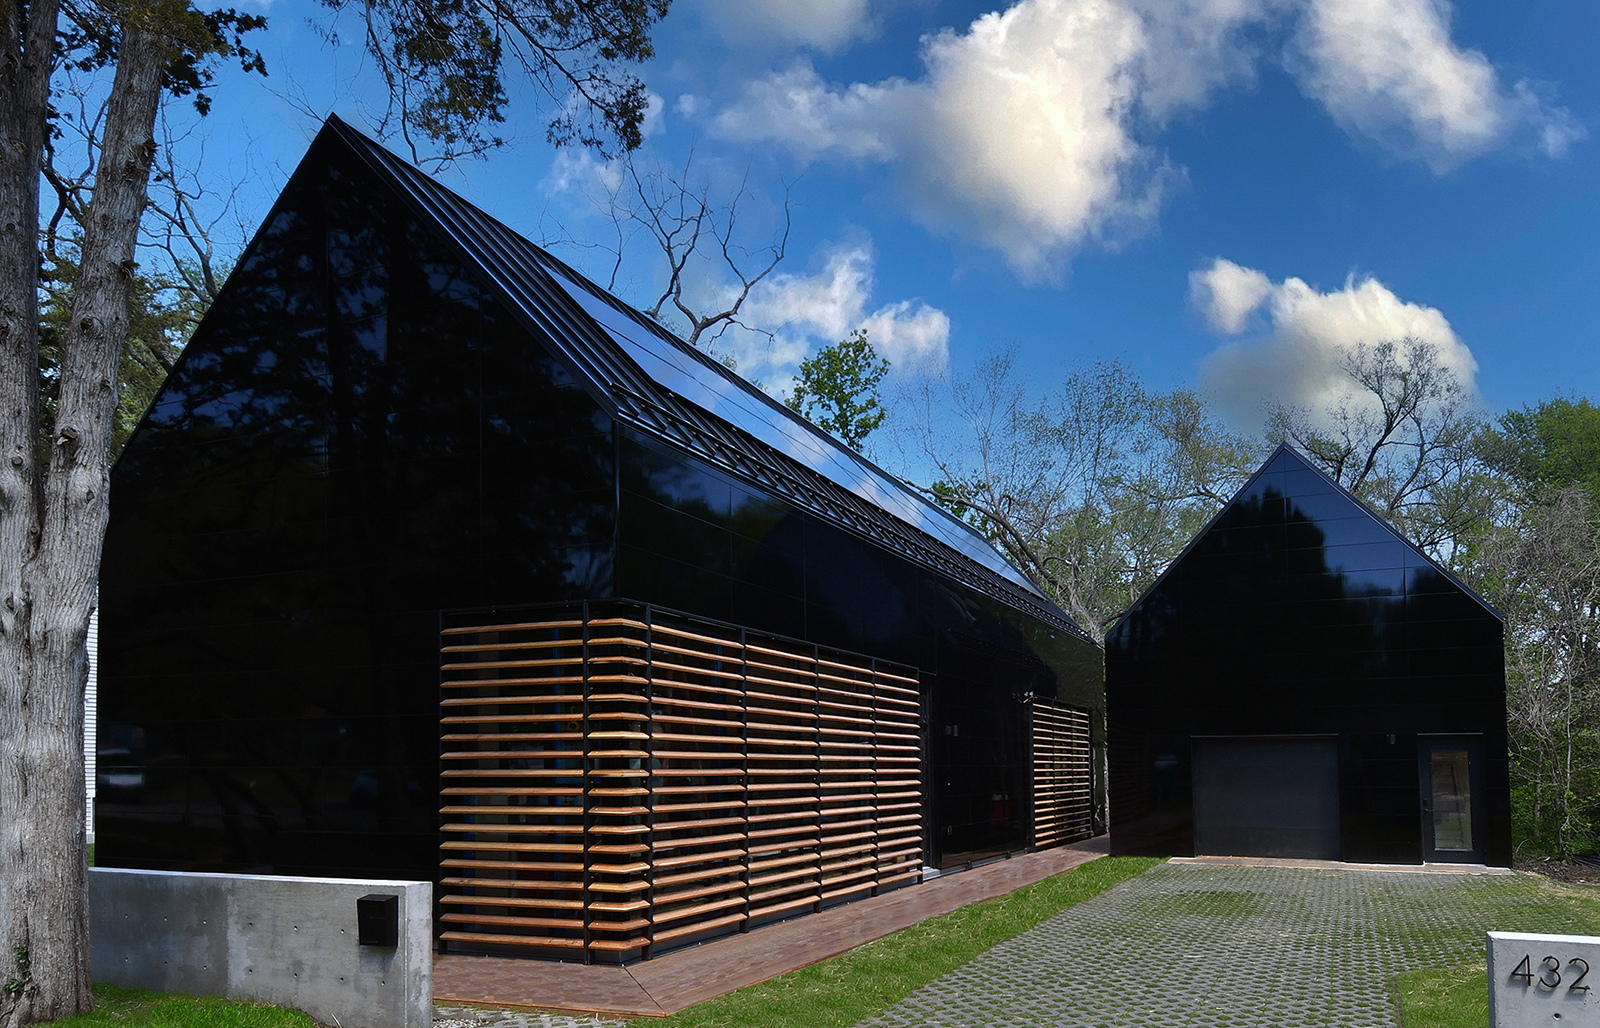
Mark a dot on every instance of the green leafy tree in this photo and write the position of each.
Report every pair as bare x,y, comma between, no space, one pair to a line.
837,390
163,312
1550,445
1540,564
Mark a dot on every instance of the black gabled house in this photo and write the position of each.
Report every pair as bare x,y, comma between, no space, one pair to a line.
434,561
1303,682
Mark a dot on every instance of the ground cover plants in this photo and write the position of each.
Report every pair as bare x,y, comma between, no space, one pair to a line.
873,977
117,1007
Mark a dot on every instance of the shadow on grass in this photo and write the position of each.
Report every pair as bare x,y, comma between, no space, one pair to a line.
873,977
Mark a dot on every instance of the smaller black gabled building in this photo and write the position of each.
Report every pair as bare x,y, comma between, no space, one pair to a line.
1303,682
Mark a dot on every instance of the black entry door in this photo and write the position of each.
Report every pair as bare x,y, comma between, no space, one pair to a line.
1451,773
1266,797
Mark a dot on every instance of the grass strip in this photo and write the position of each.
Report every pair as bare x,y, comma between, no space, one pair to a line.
873,977
1458,996
1444,997
116,1007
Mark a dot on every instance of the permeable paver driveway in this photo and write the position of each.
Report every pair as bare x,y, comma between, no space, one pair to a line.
1262,947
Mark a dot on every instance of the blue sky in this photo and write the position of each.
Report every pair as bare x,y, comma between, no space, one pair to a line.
1221,193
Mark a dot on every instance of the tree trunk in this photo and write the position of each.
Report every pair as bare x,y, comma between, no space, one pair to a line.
25,80
51,534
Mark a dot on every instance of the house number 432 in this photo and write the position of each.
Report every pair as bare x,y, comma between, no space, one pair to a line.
1547,973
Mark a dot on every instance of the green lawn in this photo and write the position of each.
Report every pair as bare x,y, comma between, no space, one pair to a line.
135,1008
1458,997
875,976
1445,997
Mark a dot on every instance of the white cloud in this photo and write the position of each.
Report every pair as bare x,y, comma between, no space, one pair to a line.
1034,130
655,121
796,108
579,171
1227,294
1389,70
1023,133
826,25
1295,360
910,334
792,314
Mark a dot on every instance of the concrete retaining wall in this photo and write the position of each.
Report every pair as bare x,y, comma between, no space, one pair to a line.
287,941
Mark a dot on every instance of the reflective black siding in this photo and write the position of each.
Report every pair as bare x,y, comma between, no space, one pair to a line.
1298,612
694,538
361,434
356,438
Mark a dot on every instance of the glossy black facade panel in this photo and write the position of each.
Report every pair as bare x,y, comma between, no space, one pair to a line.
697,539
366,431
1299,613
356,438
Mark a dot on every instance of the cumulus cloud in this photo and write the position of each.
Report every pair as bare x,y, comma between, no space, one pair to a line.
1295,357
1388,70
1035,129
826,25
1228,294
791,314
1022,133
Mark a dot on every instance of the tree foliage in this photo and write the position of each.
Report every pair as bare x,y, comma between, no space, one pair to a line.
162,313
1540,563
444,63
1091,491
1550,445
1400,436
837,390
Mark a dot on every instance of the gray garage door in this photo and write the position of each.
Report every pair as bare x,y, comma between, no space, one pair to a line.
1266,797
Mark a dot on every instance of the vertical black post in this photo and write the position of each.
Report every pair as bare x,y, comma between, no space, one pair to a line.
876,774
1030,722
648,780
586,764
744,768
438,877
816,710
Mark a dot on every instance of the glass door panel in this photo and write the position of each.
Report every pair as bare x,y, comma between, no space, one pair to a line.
1451,775
1452,801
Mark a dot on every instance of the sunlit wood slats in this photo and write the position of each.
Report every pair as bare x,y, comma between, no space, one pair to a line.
637,778
1063,796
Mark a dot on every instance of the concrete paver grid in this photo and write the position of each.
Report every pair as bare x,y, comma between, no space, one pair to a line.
470,1017
1248,947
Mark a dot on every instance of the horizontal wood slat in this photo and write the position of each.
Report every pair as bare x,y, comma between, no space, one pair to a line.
625,777
1063,792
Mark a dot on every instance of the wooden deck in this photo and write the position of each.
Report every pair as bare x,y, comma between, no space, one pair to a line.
683,978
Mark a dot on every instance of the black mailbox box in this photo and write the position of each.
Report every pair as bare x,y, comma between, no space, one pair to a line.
378,920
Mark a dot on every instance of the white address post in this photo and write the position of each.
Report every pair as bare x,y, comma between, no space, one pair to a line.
1543,980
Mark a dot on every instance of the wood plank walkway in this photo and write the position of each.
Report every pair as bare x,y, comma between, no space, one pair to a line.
693,975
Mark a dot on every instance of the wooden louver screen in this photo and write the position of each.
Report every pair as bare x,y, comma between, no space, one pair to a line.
621,780
1063,795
